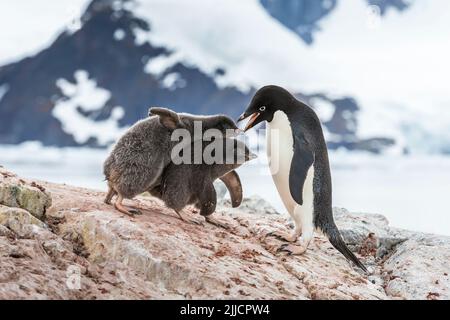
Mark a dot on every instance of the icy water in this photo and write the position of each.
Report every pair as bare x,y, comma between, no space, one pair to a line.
412,192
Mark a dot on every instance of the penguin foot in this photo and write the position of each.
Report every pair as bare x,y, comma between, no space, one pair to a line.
292,249
189,220
218,223
111,193
135,212
283,236
121,208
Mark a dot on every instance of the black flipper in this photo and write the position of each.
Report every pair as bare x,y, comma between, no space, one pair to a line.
301,162
234,186
335,238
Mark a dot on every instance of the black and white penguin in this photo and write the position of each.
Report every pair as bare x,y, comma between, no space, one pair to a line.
298,160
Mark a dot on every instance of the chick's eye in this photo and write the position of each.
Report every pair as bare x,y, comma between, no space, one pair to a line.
262,109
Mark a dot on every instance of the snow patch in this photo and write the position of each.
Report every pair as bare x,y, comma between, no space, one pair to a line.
140,36
119,5
119,35
158,65
173,80
84,92
85,95
324,109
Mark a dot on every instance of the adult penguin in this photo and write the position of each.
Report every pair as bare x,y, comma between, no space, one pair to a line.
298,160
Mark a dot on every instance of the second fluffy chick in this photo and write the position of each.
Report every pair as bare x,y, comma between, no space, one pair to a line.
193,184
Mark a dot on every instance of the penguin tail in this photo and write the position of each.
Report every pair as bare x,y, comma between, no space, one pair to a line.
336,240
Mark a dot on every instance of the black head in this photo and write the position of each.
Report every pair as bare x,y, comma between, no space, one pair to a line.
265,103
173,120
225,124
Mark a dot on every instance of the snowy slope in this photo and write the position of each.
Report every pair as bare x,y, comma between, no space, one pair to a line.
396,67
236,35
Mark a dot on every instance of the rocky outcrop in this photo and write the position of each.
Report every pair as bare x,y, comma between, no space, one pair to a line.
419,269
83,249
16,193
252,205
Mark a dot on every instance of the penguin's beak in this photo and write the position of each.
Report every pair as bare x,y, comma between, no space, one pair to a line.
250,122
243,116
251,156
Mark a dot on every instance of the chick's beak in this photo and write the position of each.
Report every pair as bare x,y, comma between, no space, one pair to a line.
233,133
242,117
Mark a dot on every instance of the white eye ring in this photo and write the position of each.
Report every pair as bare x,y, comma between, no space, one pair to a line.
262,109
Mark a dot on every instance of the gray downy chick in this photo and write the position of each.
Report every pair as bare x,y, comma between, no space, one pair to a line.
139,157
192,184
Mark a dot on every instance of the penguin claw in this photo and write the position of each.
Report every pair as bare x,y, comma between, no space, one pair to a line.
280,236
218,223
188,219
283,248
135,212
291,249
197,222
192,221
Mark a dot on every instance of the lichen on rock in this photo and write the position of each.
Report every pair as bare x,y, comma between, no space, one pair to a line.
15,192
18,220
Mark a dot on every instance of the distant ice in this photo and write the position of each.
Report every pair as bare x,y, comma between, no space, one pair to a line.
411,191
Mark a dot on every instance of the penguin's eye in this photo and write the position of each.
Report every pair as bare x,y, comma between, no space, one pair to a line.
262,109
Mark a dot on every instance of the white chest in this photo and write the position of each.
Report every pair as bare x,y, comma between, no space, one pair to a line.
280,144
280,151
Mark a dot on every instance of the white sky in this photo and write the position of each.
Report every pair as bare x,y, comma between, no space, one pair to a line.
26,26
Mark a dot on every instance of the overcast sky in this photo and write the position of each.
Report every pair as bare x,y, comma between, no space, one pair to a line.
26,26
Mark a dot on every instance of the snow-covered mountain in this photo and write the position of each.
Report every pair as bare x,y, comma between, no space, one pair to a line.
203,56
